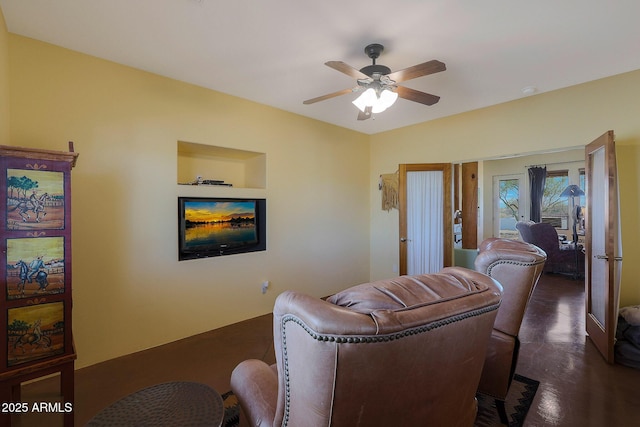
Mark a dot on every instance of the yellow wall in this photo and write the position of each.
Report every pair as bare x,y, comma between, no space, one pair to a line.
325,226
130,292
565,118
4,82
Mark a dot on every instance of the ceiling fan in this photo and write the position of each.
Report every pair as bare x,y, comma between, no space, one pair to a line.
379,84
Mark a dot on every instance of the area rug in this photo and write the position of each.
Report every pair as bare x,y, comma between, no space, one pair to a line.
231,410
518,402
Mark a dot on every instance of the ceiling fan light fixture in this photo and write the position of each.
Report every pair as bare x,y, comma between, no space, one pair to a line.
377,85
378,103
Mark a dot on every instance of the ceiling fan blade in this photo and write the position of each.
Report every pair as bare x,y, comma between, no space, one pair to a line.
419,70
346,69
328,96
366,114
417,96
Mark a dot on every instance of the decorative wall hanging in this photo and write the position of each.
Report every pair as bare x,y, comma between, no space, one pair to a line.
389,187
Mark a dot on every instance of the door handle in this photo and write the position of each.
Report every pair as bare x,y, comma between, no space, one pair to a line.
403,239
606,257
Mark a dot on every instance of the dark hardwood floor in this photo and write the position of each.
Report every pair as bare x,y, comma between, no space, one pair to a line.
577,388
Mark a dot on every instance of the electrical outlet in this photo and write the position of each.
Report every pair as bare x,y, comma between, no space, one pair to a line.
265,286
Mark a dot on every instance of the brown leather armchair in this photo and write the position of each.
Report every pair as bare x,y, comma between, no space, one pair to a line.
517,266
407,351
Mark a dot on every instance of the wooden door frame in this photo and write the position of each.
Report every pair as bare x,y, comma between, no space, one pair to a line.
469,205
447,213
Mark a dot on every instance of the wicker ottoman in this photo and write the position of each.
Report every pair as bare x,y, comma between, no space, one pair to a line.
168,404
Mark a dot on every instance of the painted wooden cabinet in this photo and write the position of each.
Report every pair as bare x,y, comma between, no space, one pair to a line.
35,296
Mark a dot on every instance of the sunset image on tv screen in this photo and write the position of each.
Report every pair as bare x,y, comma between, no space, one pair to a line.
223,224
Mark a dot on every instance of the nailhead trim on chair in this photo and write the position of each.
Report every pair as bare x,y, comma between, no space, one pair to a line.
522,263
359,340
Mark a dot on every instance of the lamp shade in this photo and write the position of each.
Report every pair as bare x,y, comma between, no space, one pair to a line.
368,98
572,191
378,101
386,100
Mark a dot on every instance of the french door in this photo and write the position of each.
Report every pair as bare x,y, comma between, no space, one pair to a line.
508,209
603,244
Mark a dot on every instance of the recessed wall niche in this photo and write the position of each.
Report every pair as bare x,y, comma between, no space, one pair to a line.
239,168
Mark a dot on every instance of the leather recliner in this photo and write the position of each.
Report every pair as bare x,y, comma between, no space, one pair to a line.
561,258
407,351
517,266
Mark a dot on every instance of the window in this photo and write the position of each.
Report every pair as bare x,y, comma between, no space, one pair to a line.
508,206
555,209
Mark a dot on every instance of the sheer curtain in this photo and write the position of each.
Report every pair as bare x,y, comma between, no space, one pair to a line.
537,177
425,225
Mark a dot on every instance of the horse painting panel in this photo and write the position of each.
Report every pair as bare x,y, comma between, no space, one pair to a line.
35,199
35,266
35,332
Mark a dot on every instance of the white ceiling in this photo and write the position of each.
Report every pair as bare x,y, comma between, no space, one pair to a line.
273,51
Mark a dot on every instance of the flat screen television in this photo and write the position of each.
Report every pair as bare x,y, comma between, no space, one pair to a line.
213,226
